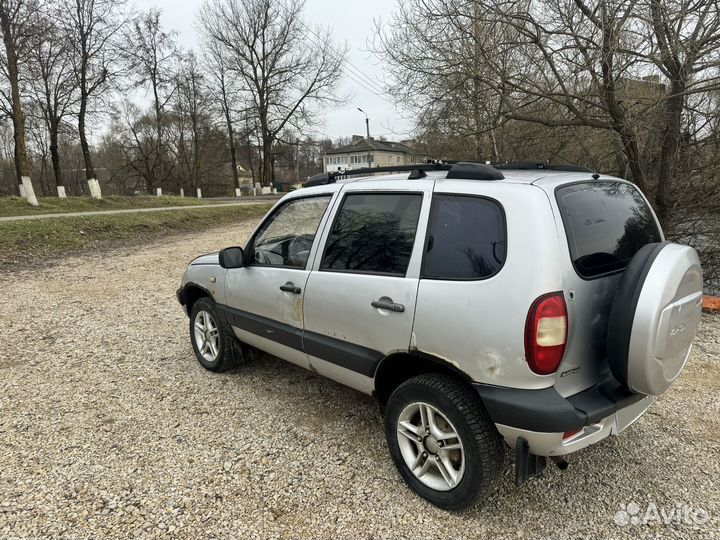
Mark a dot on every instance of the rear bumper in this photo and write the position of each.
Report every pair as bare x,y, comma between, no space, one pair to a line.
553,444
542,416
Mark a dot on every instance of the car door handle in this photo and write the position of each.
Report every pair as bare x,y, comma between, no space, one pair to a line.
290,287
386,303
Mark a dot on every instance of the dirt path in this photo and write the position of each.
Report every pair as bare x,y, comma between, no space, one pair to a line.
110,428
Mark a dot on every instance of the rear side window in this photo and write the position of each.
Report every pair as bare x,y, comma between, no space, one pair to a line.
373,233
466,238
606,224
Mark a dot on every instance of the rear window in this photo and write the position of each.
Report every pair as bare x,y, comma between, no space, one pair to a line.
606,224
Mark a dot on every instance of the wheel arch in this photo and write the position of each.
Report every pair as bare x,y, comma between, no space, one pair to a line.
397,368
192,293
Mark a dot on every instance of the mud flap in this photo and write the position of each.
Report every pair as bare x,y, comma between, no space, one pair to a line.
242,353
527,465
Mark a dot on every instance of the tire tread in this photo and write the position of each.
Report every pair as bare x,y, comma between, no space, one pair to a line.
491,447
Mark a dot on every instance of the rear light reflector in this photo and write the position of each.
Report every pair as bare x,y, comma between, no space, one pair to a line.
571,433
546,333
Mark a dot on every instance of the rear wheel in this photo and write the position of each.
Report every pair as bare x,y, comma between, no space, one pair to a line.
442,441
211,340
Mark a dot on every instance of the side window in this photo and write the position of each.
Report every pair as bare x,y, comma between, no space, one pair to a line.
466,238
373,233
286,238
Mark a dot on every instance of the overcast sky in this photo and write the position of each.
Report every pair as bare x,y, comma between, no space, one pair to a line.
350,21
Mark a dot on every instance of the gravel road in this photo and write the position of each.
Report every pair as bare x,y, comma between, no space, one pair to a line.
109,428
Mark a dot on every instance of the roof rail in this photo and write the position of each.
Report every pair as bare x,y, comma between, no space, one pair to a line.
527,165
466,170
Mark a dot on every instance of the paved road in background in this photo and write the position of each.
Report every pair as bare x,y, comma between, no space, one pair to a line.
253,200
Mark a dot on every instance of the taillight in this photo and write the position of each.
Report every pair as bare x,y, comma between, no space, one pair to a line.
546,333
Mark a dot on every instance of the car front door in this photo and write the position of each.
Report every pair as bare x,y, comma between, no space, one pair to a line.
265,298
360,297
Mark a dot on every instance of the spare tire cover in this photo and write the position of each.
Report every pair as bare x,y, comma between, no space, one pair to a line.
654,317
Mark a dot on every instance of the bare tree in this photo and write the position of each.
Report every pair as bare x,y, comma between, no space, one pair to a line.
612,65
222,84
433,52
18,21
624,68
151,61
285,67
91,26
53,87
193,112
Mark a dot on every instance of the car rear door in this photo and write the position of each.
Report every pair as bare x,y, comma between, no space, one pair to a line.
605,222
360,296
265,298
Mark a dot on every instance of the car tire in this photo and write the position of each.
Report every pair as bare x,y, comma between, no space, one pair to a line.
455,478
211,339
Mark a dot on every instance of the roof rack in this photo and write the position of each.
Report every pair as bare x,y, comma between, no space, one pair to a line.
462,169
466,170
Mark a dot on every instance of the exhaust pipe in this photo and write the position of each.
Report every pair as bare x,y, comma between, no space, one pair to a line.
560,461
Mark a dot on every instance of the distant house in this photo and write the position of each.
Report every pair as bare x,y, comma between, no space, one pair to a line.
368,152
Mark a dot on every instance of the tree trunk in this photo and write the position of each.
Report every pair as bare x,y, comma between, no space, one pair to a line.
669,153
233,152
619,155
619,119
22,165
267,165
196,156
55,155
250,160
153,180
477,119
87,158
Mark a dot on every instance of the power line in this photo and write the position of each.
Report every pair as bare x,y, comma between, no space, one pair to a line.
353,71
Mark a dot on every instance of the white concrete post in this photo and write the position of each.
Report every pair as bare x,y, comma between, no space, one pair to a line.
94,187
158,191
237,192
61,192
29,191
182,192
199,193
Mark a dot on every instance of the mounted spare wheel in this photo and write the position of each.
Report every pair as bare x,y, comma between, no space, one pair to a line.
654,317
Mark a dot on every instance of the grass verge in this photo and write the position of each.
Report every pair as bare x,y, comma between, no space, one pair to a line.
16,206
24,242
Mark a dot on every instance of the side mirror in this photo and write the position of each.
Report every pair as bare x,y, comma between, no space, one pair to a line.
232,257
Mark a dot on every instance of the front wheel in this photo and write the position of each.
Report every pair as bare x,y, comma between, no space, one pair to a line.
442,441
210,338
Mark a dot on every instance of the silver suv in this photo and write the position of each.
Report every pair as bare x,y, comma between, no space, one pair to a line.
519,305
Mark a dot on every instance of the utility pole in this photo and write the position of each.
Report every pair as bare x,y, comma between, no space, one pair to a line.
297,159
367,123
